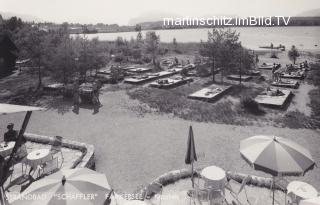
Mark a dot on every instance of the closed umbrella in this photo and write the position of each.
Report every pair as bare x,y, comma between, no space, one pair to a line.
276,155
191,154
79,186
313,201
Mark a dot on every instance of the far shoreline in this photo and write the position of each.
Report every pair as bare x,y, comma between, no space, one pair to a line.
185,28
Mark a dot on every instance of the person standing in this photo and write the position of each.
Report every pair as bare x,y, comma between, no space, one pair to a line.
273,73
76,96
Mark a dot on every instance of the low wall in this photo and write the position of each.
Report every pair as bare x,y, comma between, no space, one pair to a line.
174,176
86,160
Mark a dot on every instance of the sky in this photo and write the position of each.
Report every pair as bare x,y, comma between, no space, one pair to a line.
122,11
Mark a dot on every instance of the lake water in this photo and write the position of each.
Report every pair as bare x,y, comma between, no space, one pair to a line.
304,38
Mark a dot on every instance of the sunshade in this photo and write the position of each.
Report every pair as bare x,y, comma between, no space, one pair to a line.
191,155
313,201
79,186
8,108
276,155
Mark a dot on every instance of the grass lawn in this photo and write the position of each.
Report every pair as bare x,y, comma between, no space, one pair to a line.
227,110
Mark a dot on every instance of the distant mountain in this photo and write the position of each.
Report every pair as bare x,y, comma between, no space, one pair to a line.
151,17
157,17
24,17
313,13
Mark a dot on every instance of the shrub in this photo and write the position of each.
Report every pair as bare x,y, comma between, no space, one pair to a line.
250,105
203,70
119,58
146,59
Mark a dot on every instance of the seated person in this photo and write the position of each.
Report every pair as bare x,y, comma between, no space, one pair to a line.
279,93
11,134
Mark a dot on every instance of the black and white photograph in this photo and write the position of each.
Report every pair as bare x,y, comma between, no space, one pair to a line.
159,102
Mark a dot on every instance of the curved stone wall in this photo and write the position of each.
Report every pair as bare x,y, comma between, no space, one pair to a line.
176,175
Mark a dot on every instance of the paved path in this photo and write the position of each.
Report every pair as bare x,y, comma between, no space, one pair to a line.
133,150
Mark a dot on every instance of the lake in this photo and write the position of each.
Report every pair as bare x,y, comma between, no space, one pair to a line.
304,38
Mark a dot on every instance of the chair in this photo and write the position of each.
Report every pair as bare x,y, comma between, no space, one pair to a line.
48,167
235,194
208,195
56,148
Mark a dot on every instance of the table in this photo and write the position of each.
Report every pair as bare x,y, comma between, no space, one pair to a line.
214,177
38,157
6,150
313,201
300,190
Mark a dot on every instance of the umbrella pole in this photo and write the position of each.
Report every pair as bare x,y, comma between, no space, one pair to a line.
3,199
192,174
273,190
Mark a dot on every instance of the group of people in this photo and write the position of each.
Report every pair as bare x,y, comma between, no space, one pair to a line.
276,74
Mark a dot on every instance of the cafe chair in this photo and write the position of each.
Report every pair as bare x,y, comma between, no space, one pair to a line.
56,148
48,167
235,193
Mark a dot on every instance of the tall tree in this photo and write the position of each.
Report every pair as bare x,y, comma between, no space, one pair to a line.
293,54
220,48
36,45
175,44
139,37
152,43
89,55
137,28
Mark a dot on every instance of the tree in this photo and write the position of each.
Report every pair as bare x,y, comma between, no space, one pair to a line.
152,42
36,45
136,54
89,55
137,28
63,62
293,54
221,48
97,58
83,66
13,23
139,37
246,61
175,44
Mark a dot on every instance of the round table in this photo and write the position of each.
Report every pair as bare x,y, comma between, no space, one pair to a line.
38,157
6,150
301,190
313,201
214,177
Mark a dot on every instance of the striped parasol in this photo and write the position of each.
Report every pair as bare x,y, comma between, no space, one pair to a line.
79,186
276,155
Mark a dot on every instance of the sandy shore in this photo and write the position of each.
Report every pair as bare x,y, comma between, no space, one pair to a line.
133,150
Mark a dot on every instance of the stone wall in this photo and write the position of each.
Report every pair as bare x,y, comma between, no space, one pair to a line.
86,160
174,176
